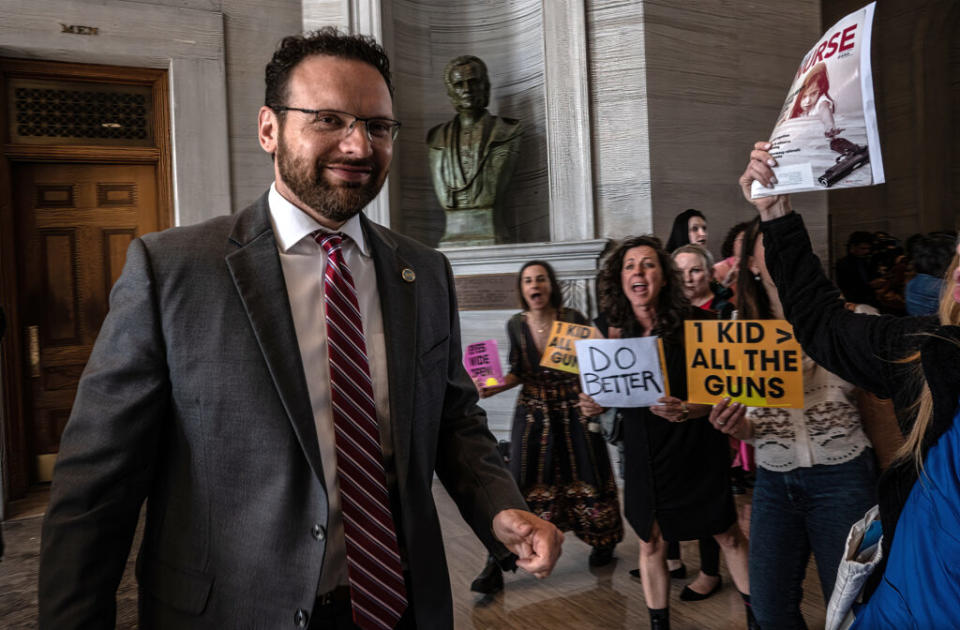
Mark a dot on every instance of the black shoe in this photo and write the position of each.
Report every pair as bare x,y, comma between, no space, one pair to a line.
678,573
490,580
600,556
660,624
690,595
660,619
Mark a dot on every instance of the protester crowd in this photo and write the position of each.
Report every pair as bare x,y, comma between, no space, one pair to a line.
813,470
895,277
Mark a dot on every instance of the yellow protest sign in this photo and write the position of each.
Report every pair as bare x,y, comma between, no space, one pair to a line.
561,353
754,362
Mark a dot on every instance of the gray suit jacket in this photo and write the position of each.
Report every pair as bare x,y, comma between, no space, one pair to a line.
195,399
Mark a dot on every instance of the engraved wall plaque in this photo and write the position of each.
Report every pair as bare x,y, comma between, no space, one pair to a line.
488,292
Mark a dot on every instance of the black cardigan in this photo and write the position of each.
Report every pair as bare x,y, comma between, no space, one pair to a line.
867,351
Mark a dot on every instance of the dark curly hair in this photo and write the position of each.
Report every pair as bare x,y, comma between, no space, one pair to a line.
672,308
556,293
326,41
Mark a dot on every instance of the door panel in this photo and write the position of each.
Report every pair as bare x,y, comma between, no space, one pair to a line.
74,223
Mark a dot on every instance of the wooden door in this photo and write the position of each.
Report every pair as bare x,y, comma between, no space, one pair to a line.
74,223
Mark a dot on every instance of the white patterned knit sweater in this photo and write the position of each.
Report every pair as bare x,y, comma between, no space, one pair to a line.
826,431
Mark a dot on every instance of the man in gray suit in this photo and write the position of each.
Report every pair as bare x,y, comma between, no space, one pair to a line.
214,392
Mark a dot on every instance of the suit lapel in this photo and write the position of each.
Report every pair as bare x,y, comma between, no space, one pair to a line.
398,306
258,277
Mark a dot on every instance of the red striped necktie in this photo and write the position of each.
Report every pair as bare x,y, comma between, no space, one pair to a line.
377,590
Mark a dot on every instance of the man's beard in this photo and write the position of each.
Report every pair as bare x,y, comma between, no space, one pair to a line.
335,202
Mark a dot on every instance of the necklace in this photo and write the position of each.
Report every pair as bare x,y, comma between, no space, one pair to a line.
536,326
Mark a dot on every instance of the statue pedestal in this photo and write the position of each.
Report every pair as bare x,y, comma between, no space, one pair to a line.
468,227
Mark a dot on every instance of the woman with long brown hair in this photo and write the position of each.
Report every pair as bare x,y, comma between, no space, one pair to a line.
815,468
558,457
916,362
675,464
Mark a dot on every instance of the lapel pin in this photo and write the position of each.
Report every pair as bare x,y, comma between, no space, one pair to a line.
408,275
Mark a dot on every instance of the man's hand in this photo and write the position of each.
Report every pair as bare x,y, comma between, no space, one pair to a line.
760,168
536,542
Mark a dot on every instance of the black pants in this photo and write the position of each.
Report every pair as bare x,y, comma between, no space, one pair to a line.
709,555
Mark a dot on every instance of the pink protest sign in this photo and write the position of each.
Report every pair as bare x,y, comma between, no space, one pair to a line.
483,363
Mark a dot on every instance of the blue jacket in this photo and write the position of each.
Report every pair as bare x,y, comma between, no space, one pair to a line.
921,585
922,294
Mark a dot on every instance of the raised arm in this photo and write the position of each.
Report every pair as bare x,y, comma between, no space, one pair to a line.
863,349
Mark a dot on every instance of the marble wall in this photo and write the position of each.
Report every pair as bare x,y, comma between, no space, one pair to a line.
252,29
680,91
620,125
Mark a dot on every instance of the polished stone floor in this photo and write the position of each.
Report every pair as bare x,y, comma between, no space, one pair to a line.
575,596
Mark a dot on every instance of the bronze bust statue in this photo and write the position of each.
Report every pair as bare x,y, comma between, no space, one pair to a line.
472,157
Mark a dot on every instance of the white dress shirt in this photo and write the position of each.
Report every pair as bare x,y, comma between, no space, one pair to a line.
303,261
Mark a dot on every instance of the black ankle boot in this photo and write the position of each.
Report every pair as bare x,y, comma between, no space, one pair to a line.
600,556
490,579
659,618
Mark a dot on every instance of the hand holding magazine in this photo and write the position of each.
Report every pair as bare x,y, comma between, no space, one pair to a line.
826,135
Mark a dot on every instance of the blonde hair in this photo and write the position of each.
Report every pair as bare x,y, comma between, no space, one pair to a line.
949,313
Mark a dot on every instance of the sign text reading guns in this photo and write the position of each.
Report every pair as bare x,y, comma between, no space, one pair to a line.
561,353
754,362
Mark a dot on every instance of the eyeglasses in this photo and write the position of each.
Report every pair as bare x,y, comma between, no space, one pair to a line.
330,121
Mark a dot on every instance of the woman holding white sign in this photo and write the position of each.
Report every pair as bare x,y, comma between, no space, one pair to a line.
675,464
558,457
816,472
916,362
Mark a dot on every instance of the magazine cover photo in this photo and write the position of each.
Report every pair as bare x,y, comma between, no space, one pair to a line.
826,134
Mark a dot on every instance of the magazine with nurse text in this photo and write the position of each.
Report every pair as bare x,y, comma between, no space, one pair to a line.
826,134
